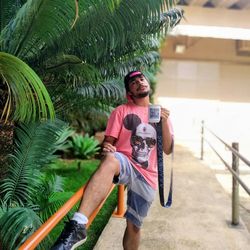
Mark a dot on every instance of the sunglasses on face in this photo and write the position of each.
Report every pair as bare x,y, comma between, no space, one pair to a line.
138,141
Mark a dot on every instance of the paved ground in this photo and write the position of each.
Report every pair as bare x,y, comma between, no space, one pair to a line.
200,217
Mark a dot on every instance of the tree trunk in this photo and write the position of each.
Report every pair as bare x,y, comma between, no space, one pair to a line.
6,132
6,145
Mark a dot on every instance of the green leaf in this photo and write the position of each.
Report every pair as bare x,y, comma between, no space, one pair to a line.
84,147
7,10
28,98
35,146
51,196
16,225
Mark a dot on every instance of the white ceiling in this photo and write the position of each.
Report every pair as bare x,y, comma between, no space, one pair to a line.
226,19
227,4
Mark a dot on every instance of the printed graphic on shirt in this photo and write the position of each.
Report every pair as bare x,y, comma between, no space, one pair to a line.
142,140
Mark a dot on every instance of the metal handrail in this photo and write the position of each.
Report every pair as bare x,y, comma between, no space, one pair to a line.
45,229
235,152
246,161
229,168
234,169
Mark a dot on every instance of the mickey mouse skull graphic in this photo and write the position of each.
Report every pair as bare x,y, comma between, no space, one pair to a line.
142,140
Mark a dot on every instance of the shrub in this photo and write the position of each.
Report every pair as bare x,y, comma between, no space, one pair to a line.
84,147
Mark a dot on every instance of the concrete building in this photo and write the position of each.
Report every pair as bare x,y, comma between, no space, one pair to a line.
205,75
205,72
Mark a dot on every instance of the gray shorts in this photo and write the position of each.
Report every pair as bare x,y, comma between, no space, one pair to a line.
140,193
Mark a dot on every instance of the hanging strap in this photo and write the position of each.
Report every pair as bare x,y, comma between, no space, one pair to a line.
161,169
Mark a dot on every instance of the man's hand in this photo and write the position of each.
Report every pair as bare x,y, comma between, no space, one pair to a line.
164,114
108,147
166,136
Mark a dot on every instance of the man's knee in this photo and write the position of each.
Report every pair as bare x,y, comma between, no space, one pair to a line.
109,162
132,227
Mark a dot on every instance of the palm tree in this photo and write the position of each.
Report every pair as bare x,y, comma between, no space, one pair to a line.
80,53
88,60
81,66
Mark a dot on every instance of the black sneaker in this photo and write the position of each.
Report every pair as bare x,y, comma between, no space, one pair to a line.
72,236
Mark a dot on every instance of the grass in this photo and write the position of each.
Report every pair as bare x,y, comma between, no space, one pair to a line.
76,173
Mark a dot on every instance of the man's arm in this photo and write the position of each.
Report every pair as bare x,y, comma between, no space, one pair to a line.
108,144
167,137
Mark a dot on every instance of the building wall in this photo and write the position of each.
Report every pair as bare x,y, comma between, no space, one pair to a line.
207,49
210,85
204,80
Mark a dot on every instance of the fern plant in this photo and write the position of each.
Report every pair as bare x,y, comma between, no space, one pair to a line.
84,147
27,196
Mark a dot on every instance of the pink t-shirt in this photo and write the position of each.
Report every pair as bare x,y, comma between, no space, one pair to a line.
136,138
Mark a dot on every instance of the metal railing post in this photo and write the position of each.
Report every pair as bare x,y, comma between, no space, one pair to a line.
202,139
120,203
235,186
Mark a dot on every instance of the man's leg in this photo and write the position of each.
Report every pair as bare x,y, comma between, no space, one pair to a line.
139,199
99,185
74,233
131,238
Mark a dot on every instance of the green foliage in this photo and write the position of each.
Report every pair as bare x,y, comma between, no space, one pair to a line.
63,143
52,196
8,9
35,147
74,178
84,147
24,90
16,225
28,196
82,68
92,120
85,63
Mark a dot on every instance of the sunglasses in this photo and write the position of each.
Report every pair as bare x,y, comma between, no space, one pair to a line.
139,141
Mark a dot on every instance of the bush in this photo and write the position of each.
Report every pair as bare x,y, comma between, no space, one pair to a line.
84,147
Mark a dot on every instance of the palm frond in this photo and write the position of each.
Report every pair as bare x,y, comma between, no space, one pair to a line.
71,70
24,36
51,197
138,59
27,97
53,203
113,28
131,22
34,147
109,90
8,9
85,97
3,208
90,12
170,19
16,225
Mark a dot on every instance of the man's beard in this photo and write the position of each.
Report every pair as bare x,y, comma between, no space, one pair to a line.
141,95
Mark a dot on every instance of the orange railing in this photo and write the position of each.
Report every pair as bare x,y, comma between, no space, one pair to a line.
45,229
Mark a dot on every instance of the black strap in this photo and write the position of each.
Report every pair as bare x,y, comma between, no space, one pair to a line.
161,169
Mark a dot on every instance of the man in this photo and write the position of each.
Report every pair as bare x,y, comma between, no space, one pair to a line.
130,158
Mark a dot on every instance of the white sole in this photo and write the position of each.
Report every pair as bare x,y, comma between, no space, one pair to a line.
78,244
